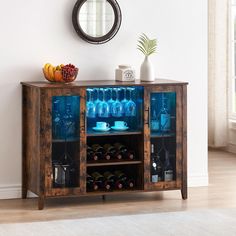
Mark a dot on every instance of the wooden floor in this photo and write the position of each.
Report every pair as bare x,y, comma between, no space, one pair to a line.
221,193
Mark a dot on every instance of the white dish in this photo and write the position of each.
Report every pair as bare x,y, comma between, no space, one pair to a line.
120,128
101,130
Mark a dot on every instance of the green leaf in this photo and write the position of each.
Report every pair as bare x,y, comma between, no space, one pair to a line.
146,46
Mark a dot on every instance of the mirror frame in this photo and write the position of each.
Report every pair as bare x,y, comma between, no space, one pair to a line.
97,40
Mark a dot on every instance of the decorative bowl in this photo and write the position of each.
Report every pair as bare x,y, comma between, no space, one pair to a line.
60,74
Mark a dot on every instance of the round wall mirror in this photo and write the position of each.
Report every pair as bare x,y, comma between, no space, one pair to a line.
96,21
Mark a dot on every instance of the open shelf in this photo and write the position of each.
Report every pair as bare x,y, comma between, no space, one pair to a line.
91,133
111,163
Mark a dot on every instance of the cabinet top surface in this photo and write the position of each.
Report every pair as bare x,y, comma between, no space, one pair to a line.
99,83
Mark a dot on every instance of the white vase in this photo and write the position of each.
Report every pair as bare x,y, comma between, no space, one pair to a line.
147,70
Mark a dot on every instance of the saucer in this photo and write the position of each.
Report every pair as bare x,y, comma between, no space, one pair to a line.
102,130
119,128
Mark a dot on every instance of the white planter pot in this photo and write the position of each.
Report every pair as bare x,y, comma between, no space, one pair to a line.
147,71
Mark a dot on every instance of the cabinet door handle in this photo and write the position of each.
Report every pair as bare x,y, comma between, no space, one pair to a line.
148,117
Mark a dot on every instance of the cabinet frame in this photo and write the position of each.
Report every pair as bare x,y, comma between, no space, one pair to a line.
37,137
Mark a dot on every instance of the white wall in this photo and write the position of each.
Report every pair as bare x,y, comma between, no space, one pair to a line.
36,32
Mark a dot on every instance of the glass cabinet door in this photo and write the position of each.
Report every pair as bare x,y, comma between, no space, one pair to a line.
163,132
63,139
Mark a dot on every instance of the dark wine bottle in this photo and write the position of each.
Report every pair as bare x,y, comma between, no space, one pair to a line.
98,179
110,180
168,169
91,185
121,179
129,155
91,155
130,183
154,172
109,151
121,150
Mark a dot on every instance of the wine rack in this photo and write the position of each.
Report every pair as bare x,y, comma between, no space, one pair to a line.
77,138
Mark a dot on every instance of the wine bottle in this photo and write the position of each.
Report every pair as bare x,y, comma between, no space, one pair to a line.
120,150
109,151
130,183
110,180
91,155
98,150
98,179
129,155
168,169
91,185
121,179
154,172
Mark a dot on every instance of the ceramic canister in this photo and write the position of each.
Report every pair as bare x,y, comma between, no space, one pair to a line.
125,73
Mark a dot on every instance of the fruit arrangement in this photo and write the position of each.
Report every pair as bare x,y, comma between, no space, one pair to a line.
61,73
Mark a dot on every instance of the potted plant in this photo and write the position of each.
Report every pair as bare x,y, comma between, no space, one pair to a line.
147,47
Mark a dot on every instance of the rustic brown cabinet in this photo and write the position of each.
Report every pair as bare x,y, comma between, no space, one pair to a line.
159,118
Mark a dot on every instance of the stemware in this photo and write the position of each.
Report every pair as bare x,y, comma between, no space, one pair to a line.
116,108
110,101
124,101
130,107
102,106
96,102
90,105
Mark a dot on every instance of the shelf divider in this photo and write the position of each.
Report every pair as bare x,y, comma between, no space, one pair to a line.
112,133
112,163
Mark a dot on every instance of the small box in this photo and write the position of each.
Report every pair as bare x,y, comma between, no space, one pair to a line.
125,73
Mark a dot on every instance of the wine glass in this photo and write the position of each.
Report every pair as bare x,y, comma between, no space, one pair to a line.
96,91
116,108
124,101
102,106
130,107
90,105
111,100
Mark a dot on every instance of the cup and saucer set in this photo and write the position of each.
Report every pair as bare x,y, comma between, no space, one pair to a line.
118,126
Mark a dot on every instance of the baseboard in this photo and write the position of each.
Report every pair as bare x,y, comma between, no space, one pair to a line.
198,180
10,191
14,191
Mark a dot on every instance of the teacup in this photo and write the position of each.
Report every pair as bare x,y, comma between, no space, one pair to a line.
120,124
102,125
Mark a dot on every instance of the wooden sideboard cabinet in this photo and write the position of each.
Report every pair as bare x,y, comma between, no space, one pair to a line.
103,137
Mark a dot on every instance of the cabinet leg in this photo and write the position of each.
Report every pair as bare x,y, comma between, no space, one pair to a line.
24,192
41,203
184,193
24,187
